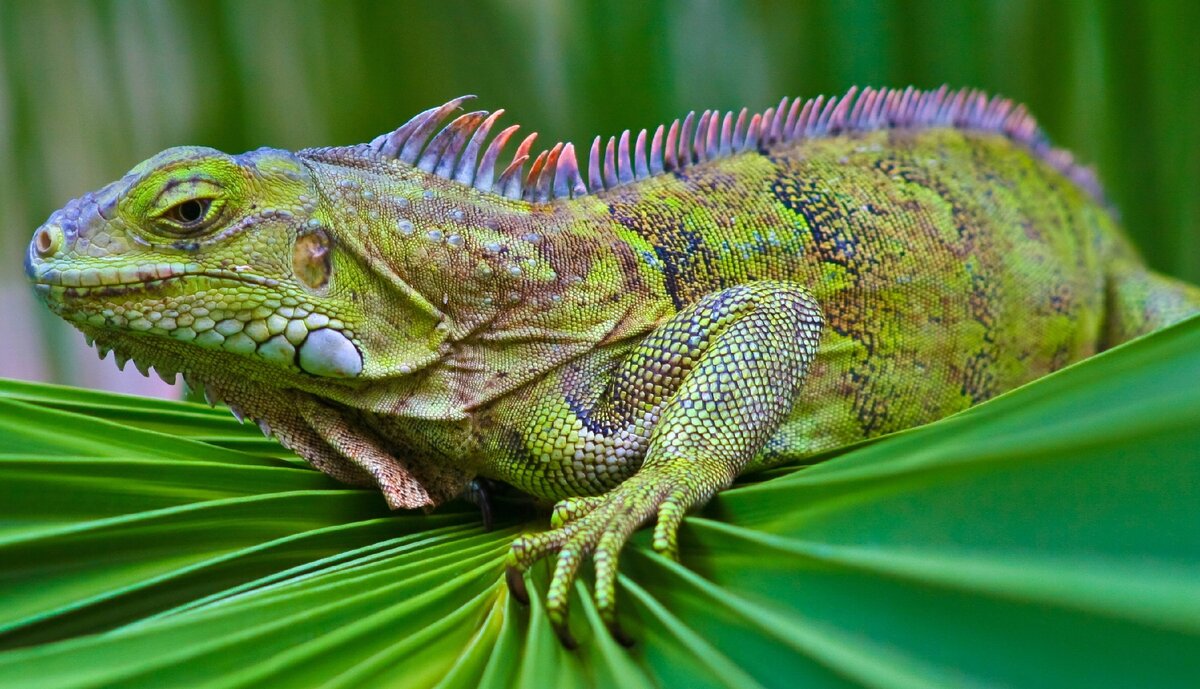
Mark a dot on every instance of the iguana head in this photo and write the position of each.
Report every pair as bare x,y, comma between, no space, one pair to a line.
200,261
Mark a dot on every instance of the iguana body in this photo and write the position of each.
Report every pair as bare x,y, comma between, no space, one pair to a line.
721,295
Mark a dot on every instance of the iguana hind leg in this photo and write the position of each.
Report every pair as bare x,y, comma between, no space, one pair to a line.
722,375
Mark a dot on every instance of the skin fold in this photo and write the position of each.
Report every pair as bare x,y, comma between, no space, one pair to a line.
712,301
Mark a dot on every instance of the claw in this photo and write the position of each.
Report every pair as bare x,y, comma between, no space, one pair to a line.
485,509
516,584
619,634
565,636
142,368
477,494
121,360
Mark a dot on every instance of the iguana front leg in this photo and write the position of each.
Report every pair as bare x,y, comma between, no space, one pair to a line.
720,377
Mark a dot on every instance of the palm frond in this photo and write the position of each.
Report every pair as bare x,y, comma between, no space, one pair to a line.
1046,538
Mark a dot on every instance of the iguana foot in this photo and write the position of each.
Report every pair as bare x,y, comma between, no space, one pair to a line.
478,493
599,526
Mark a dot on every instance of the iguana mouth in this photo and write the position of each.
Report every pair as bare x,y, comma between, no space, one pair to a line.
288,333
113,282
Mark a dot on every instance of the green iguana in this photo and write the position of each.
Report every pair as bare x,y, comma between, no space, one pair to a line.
720,295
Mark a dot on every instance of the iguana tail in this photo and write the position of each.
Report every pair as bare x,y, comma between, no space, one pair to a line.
1141,301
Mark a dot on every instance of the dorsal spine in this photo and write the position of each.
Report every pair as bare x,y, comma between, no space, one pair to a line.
453,151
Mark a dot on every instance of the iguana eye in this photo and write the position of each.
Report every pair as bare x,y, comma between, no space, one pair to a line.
190,215
190,212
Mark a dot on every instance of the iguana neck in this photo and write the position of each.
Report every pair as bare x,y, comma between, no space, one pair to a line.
514,289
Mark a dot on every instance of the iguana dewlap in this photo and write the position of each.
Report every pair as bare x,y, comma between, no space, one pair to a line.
722,294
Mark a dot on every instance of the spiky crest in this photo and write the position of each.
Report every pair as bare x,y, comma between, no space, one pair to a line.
453,152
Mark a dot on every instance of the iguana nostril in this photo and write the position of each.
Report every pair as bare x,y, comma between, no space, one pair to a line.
47,241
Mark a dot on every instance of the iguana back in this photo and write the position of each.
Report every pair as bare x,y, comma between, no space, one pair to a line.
950,265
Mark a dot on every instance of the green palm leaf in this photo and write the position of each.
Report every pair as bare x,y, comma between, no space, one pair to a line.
1047,538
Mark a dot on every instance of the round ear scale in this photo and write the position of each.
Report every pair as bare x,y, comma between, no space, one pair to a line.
328,353
311,259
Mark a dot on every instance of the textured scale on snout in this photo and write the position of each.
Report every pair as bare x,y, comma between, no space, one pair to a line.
620,333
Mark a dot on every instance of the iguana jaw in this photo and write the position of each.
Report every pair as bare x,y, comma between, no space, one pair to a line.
243,316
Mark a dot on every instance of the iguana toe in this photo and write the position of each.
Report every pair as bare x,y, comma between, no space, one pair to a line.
566,511
670,516
600,527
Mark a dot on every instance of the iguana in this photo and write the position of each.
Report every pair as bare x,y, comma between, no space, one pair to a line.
726,293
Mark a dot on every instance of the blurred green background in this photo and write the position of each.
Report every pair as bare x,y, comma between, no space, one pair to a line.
88,89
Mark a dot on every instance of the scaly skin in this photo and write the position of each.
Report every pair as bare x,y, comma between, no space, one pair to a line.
626,353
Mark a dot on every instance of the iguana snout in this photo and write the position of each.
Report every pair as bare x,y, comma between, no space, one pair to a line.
68,231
